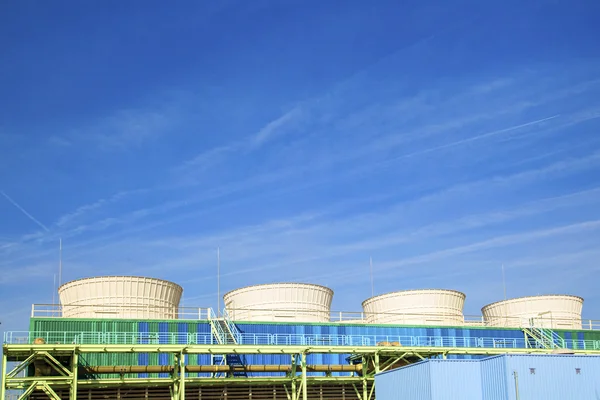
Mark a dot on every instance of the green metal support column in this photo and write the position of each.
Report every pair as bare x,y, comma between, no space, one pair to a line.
74,368
4,375
294,390
376,363
181,360
304,382
365,390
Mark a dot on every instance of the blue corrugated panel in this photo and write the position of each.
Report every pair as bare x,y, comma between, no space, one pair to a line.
493,378
163,338
455,379
182,330
143,358
412,382
431,380
550,377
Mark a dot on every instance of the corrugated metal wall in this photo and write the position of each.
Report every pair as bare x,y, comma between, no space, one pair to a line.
494,380
548,377
455,379
412,382
431,380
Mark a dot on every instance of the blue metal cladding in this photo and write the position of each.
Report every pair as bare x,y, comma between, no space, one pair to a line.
494,384
144,358
163,338
548,377
461,335
182,333
431,380
455,379
411,382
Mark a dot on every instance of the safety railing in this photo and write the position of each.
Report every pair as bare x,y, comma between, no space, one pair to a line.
206,338
300,315
231,327
216,328
118,311
409,319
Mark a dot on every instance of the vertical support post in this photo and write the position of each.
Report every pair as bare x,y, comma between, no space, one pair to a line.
74,371
4,374
174,389
364,379
377,370
304,381
294,395
181,376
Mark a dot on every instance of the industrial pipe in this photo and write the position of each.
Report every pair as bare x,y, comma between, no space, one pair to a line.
132,369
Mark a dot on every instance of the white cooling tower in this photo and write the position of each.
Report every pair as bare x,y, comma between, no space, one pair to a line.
289,302
416,307
120,297
549,311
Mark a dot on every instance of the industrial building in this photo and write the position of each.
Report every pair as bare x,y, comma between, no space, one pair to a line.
129,338
505,377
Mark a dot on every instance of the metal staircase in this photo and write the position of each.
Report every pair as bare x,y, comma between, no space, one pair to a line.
224,331
542,338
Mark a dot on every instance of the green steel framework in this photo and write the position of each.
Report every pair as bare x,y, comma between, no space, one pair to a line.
374,359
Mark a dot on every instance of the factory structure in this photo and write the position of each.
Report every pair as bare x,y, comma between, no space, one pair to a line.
123,337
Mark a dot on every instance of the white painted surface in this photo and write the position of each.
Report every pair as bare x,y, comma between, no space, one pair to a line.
120,297
549,311
416,307
280,302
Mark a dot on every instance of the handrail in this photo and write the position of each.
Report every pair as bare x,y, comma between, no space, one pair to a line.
216,328
233,329
119,311
139,338
196,313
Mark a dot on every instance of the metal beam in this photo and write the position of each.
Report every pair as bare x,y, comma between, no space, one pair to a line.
23,383
140,369
68,349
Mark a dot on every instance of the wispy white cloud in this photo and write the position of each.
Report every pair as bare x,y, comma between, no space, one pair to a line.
549,171
277,127
28,215
272,130
129,128
68,219
370,149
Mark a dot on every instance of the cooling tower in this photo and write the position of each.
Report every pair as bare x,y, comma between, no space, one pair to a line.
549,311
416,307
280,302
120,297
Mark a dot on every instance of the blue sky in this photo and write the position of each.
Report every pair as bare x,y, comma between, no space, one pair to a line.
441,138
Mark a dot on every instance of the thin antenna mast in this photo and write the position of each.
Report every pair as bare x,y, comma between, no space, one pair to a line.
54,290
371,274
218,280
60,262
504,281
